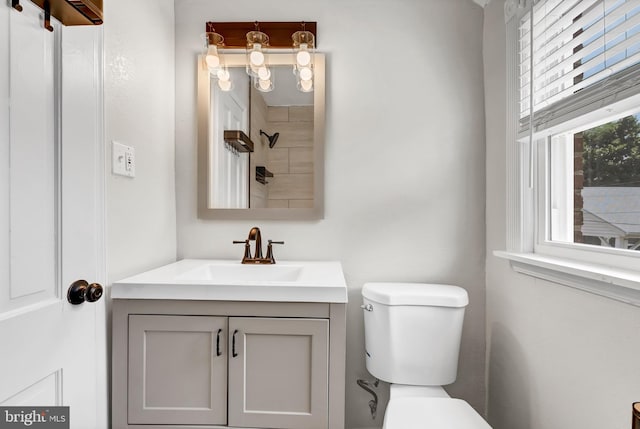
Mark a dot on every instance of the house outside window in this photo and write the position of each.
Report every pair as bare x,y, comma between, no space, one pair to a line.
607,185
601,169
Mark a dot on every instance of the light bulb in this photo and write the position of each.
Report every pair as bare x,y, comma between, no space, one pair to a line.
306,85
256,57
264,73
303,58
212,59
224,85
306,73
223,74
265,84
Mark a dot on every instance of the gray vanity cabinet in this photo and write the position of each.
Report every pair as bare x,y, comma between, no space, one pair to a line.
278,375
176,375
179,364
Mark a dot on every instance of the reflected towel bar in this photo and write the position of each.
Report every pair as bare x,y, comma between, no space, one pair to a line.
262,174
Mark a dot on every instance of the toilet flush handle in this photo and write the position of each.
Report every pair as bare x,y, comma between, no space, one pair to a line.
367,307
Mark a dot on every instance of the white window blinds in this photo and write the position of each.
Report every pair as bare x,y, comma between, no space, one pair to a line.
574,44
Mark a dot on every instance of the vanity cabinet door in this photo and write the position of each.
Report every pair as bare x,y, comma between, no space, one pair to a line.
278,372
177,371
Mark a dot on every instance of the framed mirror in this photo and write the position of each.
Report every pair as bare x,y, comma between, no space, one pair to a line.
261,154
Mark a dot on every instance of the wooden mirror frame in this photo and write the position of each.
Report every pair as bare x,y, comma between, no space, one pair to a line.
203,103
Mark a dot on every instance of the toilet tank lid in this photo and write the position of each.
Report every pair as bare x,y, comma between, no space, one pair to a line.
434,295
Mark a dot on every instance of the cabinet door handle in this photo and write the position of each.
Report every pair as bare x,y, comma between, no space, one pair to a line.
218,352
233,344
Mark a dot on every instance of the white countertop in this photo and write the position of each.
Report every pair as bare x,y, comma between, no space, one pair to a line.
227,280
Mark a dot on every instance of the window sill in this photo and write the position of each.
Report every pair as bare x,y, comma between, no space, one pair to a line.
615,283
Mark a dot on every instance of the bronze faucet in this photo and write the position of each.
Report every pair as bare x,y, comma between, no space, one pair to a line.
255,235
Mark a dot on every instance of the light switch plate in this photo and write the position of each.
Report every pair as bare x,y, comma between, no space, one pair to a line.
123,160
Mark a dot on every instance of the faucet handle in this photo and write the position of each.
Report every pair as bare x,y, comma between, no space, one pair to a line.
247,249
270,250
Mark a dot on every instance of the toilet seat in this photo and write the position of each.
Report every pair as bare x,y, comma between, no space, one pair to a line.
432,413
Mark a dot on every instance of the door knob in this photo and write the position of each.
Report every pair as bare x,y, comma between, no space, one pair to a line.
81,291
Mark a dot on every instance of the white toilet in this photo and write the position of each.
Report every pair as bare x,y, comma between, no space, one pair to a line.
412,340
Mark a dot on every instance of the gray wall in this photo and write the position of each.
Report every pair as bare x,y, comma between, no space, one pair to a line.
139,112
404,157
557,357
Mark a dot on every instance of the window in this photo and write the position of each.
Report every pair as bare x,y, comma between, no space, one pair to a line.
574,150
572,55
594,182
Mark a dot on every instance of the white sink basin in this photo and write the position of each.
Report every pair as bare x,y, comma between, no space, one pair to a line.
243,273
199,279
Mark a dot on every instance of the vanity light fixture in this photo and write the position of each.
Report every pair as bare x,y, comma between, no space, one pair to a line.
213,59
303,45
257,38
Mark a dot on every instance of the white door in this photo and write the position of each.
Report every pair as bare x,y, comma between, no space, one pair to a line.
231,169
51,215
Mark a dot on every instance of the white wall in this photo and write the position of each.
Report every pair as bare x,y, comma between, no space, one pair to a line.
557,357
404,157
139,112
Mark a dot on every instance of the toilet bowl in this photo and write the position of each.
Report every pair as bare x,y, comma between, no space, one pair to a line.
431,413
412,340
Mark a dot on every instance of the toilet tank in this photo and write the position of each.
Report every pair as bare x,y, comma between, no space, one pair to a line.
412,332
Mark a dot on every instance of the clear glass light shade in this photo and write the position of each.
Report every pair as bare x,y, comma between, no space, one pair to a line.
256,60
256,57
257,41
223,74
225,85
305,73
304,40
224,79
303,58
264,73
212,57
303,46
305,85
263,85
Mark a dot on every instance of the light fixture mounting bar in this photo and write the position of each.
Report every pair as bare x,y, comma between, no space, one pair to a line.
235,33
